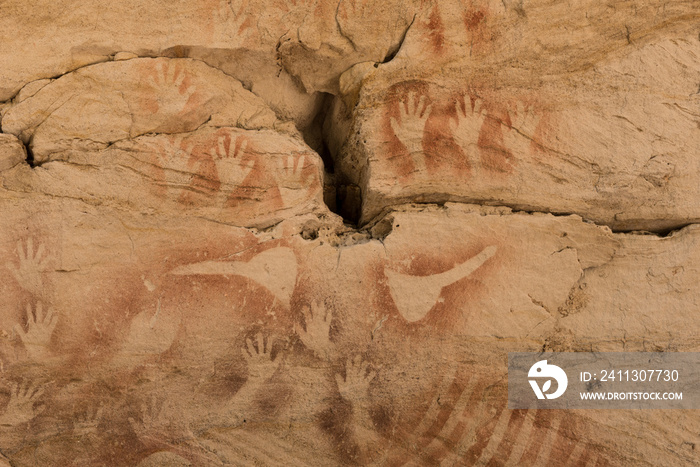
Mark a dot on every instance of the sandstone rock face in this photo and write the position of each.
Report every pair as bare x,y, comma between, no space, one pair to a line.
130,98
299,232
12,152
247,178
610,143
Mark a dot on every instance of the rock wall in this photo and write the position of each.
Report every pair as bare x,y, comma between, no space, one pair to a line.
308,232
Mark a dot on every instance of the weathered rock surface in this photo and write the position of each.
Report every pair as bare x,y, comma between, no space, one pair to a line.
126,99
614,146
178,287
136,327
11,152
239,177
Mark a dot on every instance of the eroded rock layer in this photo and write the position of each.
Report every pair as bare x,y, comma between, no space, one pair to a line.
299,232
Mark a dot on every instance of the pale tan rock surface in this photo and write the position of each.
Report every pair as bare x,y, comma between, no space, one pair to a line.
153,314
12,152
121,100
294,232
614,145
239,177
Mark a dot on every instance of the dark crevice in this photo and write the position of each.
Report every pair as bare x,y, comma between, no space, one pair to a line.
314,137
341,196
328,162
393,51
348,198
380,224
30,156
662,233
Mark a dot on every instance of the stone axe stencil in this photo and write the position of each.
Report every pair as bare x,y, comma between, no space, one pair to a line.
274,269
415,296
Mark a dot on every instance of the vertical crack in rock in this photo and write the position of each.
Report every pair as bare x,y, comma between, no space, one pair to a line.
30,155
346,197
340,195
176,291
395,48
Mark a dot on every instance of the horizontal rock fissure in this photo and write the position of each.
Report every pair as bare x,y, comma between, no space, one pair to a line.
662,233
310,232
